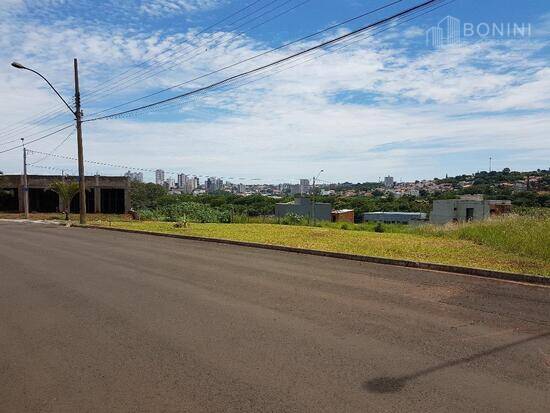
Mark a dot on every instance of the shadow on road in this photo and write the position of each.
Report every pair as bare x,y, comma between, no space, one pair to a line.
396,384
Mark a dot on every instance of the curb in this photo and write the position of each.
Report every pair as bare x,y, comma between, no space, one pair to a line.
523,278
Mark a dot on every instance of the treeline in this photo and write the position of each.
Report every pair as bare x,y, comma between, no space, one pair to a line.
538,180
154,202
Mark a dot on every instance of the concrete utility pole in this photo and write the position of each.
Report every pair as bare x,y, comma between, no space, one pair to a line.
78,118
25,181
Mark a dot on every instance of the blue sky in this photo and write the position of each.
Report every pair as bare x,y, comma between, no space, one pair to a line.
390,103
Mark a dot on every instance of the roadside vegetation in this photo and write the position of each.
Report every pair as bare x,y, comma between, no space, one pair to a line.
517,242
421,246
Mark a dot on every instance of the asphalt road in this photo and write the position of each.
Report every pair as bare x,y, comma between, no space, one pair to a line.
94,321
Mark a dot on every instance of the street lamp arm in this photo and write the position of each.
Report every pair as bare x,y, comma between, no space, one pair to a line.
20,66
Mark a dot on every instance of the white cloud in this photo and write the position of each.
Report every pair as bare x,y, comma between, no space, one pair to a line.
335,113
164,7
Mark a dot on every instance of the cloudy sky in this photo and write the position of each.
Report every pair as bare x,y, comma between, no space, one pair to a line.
388,102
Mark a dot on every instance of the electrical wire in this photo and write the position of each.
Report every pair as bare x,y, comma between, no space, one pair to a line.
36,140
54,149
51,115
330,49
277,62
332,27
188,47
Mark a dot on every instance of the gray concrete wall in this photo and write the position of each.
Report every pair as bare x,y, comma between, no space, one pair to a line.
394,217
323,211
450,210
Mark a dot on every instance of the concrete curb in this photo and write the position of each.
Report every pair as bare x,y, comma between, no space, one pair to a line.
523,278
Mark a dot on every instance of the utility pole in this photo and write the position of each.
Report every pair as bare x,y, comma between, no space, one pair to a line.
25,181
490,164
78,118
313,202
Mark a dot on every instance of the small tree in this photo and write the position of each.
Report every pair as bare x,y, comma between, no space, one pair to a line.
66,192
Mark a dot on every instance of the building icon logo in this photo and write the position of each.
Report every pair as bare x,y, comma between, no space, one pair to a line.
446,33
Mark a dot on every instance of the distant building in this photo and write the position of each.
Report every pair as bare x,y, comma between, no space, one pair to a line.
213,185
389,182
182,180
134,176
159,177
170,183
467,209
304,186
303,206
395,217
187,184
295,189
343,215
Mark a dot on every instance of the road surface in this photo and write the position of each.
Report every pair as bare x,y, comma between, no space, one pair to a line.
94,321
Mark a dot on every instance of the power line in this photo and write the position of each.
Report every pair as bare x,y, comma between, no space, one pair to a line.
168,49
127,167
389,25
277,62
37,139
51,115
136,77
330,49
252,58
54,149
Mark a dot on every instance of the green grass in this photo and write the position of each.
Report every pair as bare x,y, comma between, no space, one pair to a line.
527,236
514,243
427,245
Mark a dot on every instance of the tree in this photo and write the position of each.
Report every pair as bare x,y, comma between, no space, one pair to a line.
66,190
146,195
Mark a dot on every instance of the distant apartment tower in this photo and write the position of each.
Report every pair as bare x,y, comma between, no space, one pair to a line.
187,184
182,181
159,177
134,176
213,184
389,182
304,186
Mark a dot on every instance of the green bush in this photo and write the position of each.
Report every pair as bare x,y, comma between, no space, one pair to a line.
293,219
186,211
379,228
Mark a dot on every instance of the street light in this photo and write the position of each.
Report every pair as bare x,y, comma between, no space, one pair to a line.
77,112
313,195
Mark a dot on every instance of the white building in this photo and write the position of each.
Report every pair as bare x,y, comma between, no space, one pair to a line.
159,177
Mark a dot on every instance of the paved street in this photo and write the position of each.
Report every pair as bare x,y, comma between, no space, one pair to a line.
94,321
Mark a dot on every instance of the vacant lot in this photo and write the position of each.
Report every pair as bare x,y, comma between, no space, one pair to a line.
446,248
510,243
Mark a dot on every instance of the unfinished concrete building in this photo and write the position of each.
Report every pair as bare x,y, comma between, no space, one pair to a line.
104,194
467,209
